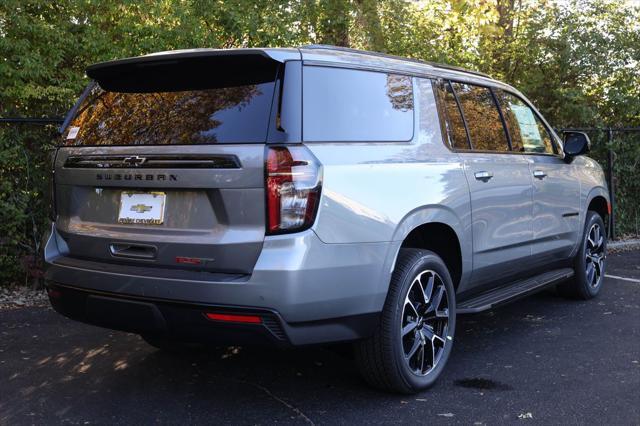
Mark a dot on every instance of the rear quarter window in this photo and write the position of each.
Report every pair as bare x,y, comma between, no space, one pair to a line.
354,105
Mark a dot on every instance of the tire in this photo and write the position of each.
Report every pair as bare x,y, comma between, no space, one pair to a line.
590,262
382,358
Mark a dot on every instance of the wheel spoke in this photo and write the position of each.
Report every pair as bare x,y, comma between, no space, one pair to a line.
416,292
591,272
433,355
422,347
409,303
443,313
597,238
409,327
427,333
428,290
437,300
416,344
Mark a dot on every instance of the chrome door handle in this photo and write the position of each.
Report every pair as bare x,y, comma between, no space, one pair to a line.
483,176
539,174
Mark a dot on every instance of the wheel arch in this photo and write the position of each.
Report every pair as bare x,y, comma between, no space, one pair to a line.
430,226
598,201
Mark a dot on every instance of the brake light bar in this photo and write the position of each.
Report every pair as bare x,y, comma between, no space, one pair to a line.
245,319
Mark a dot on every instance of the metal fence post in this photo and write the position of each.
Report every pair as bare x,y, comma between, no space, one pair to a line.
611,179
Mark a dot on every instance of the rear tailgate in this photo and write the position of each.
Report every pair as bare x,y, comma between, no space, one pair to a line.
214,218
162,160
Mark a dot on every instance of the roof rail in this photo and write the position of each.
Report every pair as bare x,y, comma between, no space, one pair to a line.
385,55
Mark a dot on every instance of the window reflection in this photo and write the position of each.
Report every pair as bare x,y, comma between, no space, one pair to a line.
457,132
528,133
230,114
482,117
353,105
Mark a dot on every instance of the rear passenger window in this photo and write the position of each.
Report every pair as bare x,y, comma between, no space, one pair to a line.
352,105
482,117
454,121
528,133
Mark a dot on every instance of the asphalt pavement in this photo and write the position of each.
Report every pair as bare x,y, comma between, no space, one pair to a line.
542,359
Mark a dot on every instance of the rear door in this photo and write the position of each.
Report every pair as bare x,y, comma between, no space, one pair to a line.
556,186
499,182
163,163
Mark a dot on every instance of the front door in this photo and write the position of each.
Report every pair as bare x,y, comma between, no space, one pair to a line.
556,186
499,182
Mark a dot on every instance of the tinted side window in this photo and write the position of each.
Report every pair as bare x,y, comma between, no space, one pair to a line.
453,117
528,133
483,119
352,105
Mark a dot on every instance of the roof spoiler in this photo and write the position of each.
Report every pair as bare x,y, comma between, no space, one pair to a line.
196,69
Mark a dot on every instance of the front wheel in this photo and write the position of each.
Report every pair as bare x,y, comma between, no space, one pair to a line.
590,262
413,341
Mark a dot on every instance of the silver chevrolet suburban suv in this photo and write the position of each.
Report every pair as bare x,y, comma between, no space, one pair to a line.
314,195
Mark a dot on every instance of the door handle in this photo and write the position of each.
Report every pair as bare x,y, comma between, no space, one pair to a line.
483,176
539,174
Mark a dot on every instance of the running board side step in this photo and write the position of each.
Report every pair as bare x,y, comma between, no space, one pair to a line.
512,291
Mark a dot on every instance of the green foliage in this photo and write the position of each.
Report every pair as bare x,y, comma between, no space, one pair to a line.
578,60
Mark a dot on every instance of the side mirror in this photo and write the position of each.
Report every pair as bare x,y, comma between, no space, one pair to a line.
576,143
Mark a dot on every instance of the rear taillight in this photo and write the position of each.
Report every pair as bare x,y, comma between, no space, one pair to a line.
293,184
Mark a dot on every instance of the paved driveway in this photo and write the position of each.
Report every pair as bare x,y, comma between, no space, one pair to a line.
540,360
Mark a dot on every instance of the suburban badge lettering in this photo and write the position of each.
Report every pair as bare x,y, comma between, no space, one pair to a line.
147,177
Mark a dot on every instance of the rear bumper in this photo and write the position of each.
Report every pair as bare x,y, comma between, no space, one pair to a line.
317,292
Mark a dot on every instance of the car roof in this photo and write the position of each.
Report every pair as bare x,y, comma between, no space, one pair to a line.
323,55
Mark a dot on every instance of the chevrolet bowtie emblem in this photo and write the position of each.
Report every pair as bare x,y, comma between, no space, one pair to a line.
134,161
141,208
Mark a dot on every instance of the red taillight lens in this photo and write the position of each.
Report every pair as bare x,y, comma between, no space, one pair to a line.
293,183
246,319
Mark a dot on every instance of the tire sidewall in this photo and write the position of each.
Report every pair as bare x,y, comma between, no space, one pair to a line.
428,261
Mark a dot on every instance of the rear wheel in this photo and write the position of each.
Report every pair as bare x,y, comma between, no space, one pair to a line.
413,341
590,262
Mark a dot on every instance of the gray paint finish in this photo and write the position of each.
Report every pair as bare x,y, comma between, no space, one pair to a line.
373,195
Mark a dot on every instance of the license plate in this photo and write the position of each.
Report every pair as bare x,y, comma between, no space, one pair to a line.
145,208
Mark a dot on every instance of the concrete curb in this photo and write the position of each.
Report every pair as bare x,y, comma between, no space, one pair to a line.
624,245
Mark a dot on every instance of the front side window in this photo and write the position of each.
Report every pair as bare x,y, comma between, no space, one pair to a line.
482,117
353,105
528,133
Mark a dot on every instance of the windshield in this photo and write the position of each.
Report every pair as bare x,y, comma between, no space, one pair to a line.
238,114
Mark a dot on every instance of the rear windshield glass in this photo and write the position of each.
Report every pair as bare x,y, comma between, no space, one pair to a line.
238,114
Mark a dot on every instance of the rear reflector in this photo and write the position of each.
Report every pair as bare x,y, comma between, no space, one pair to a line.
247,319
188,260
